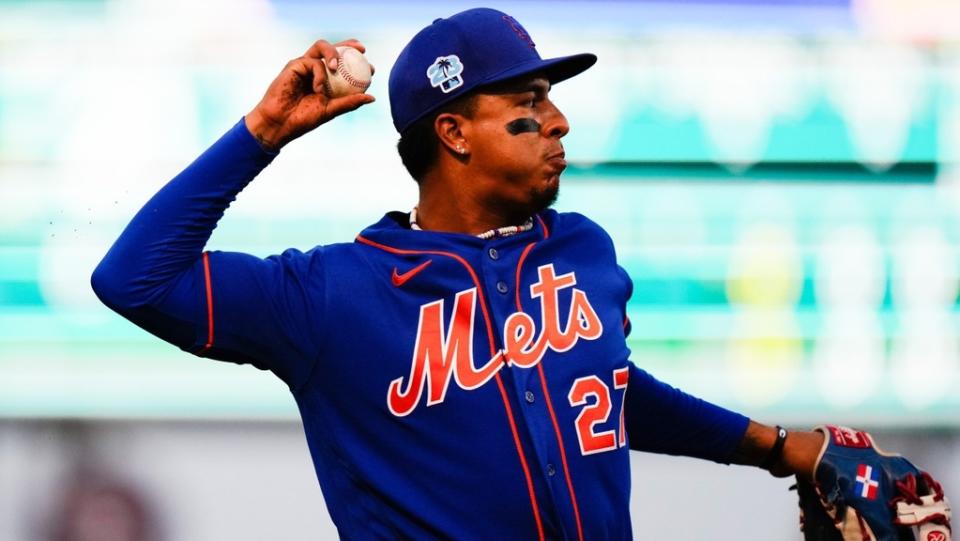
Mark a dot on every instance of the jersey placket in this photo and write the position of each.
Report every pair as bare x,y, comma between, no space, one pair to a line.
499,272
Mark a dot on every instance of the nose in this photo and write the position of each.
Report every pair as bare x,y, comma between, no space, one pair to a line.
556,125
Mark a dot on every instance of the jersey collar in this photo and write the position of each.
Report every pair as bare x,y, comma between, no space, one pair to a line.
393,229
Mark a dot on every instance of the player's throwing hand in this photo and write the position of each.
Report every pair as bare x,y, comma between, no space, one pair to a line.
296,103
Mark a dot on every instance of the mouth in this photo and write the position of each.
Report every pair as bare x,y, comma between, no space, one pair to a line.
557,162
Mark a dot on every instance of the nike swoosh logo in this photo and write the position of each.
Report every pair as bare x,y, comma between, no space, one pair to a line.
400,279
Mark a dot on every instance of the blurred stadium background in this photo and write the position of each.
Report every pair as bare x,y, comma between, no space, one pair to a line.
782,179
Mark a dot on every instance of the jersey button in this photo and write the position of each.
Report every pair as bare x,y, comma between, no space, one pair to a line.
493,253
529,396
551,470
502,287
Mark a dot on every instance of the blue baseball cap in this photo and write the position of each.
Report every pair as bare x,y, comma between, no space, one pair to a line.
456,55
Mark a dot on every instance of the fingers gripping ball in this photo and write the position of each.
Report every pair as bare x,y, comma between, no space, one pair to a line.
352,75
864,494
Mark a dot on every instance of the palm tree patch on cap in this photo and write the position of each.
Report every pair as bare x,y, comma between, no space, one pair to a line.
445,73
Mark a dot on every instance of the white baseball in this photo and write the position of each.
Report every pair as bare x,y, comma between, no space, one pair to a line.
352,75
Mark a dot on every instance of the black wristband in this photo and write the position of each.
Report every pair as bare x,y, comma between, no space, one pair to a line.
776,451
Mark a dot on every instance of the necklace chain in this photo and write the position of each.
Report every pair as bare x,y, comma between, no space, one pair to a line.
505,231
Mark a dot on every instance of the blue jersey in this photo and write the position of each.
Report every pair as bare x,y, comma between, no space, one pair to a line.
450,387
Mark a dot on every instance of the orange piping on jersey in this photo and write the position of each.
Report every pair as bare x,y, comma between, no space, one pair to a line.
493,351
546,230
626,321
563,453
546,396
523,256
209,284
523,459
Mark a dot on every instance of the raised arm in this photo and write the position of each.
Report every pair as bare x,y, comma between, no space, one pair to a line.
227,306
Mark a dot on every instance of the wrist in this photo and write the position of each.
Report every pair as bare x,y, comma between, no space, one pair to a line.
801,452
775,454
266,132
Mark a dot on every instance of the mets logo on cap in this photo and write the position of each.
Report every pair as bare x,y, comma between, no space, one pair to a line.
445,72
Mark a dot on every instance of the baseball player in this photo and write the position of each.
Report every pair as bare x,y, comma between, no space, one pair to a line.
461,368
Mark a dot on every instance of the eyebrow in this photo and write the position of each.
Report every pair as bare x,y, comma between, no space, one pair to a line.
537,87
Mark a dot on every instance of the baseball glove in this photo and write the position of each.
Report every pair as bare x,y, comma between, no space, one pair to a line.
861,493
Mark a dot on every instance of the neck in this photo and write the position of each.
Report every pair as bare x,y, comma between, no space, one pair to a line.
461,212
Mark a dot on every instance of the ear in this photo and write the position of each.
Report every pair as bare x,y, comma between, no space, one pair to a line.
450,130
